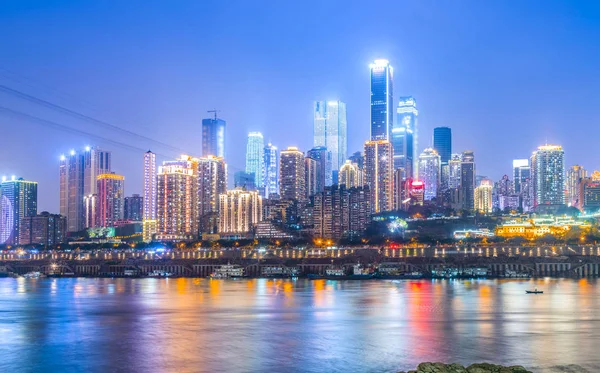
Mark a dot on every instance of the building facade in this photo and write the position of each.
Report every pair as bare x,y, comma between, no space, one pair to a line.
213,137
150,189
341,212
548,172
467,181
239,211
255,160
111,194
575,176
134,208
382,100
43,229
19,200
212,182
430,172
404,137
323,157
442,143
270,171
379,174
483,197
351,175
330,130
292,182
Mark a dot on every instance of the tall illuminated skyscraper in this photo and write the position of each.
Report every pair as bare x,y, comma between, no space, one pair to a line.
150,192
111,194
483,197
292,181
330,129
454,171
177,202
382,100
19,200
548,175
575,176
467,181
212,181
270,171
429,171
71,176
379,168
255,157
95,162
351,175
442,143
323,157
521,173
404,137
213,137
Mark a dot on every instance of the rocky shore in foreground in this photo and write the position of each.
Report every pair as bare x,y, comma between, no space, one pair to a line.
474,368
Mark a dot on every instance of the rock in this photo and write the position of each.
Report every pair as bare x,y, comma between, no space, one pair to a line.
474,368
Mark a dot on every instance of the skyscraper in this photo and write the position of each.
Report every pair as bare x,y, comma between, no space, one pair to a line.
19,200
134,208
292,174
590,193
382,99
177,202
429,171
150,192
330,129
323,157
379,167
483,197
312,176
442,143
521,173
111,193
575,176
547,173
213,137
270,171
404,137
351,175
239,210
341,212
95,162
255,160
454,171
467,181
212,181
71,175
244,180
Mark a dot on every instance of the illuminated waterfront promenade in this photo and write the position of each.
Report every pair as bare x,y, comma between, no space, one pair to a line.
497,261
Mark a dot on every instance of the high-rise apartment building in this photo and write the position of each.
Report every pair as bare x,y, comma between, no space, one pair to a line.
351,175
43,229
292,181
150,189
454,171
19,200
111,194
213,137
430,172
521,173
90,211
95,162
312,176
177,202
590,193
467,181
382,100
134,208
341,212
323,158
404,137
239,211
212,182
547,174
483,197
270,171
379,170
330,130
255,159
575,176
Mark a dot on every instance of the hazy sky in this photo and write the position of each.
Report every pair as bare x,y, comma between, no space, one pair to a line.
506,76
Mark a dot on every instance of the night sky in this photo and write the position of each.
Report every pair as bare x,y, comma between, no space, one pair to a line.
506,76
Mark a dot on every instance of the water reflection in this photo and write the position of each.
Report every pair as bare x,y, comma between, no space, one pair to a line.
257,325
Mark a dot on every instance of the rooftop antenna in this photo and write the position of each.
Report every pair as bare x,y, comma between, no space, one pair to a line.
215,111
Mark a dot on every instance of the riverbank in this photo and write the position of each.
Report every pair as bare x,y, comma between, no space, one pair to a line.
474,368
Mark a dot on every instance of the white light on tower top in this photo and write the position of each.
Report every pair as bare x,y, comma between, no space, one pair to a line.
72,152
87,148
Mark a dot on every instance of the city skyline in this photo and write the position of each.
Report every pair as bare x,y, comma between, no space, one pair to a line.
439,100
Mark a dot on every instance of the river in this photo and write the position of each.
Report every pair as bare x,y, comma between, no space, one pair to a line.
259,325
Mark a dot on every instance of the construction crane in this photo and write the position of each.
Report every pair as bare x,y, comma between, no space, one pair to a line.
214,111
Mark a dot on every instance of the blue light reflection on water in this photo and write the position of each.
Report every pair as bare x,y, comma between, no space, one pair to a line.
203,325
